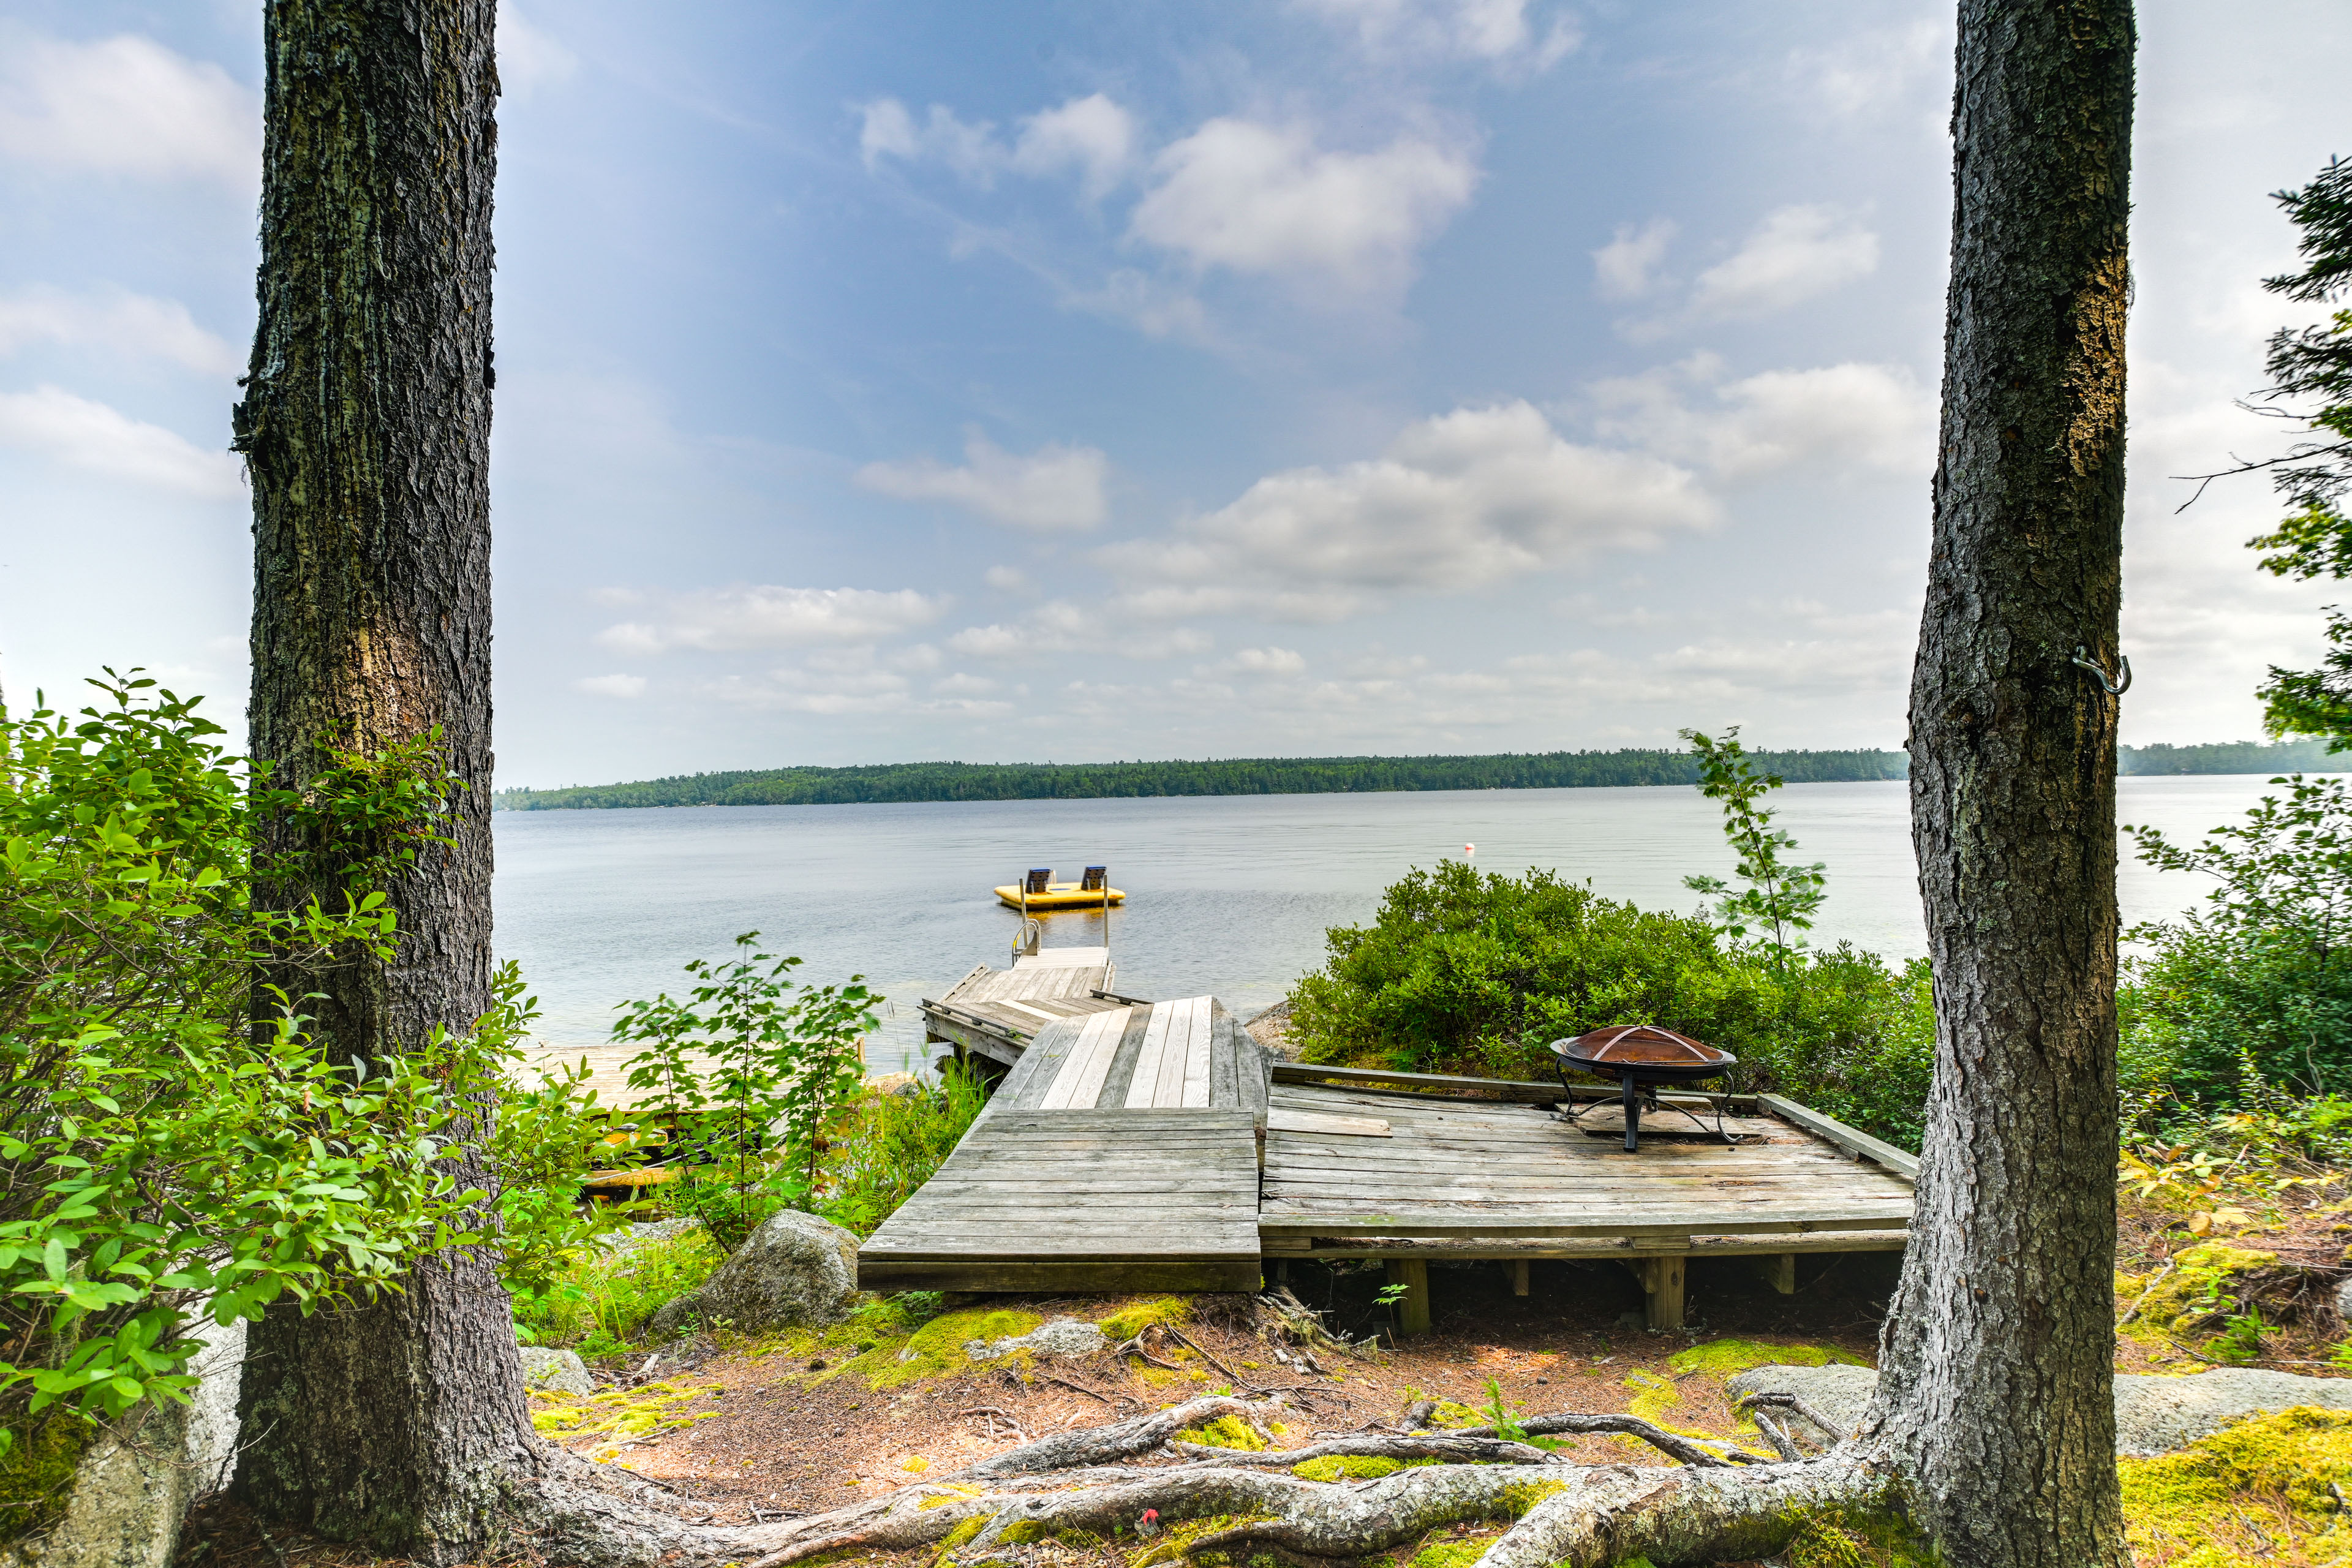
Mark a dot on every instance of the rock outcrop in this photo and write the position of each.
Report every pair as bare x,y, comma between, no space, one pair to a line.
795,1270
2153,1415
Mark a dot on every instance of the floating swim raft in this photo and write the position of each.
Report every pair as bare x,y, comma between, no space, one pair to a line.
1038,893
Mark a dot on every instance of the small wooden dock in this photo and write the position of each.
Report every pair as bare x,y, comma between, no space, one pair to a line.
1157,1146
1121,1153
996,1013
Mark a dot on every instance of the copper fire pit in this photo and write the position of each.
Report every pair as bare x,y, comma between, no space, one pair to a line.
1642,1056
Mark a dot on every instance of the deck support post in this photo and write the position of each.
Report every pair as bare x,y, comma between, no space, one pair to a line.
1518,1277
1412,1310
1662,1281
1778,1270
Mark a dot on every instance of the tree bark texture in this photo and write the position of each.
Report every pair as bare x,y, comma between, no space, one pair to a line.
1995,1399
366,425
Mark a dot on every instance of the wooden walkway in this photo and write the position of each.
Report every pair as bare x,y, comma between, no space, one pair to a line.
997,1012
1121,1153
1156,1146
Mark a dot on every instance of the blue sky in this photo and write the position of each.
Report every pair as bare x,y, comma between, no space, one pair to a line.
1063,381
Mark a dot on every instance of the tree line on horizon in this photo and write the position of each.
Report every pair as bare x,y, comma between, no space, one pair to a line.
910,783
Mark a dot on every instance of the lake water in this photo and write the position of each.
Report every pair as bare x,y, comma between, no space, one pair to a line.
1225,894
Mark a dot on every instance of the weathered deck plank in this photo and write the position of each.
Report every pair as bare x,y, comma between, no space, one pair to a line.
1090,1199
1492,1174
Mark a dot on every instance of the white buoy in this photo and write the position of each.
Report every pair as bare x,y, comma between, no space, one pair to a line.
1469,851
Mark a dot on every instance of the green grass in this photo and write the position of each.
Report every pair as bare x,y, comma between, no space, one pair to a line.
890,1144
601,1298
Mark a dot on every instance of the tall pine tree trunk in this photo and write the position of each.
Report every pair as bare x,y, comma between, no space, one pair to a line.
366,423
1996,1394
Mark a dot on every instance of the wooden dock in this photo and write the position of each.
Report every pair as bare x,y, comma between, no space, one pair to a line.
1121,1153
1156,1146
996,1013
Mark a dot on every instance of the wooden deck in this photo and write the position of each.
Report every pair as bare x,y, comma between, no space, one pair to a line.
997,1012
1121,1153
1142,1146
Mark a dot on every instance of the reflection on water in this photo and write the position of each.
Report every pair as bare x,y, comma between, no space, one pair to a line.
1225,894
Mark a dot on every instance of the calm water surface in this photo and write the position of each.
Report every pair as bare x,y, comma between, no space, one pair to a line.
1225,894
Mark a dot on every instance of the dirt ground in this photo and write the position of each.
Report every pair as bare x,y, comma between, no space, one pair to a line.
788,1428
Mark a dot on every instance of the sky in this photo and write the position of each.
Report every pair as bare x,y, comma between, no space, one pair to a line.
1067,381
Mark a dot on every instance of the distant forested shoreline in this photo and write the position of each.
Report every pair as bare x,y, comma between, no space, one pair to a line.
919,781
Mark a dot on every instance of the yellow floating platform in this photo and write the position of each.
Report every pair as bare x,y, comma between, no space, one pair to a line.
1060,896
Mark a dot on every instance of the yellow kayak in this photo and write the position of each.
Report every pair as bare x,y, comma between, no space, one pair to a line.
1060,896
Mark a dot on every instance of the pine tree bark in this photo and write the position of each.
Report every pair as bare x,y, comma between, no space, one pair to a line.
1996,1394
366,424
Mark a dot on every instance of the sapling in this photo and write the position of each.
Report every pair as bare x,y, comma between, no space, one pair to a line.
1780,898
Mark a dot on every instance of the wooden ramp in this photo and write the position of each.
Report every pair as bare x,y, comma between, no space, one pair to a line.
997,1012
1121,1153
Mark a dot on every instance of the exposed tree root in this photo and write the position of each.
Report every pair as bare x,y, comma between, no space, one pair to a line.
593,1516
1120,1440
1686,1515
1458,1447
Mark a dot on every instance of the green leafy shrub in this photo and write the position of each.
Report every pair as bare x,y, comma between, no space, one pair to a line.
597,1299
1476,972
157,1150
890,1144
2259,982
749,1076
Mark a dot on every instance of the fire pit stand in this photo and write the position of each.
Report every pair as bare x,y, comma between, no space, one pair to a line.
1642,1056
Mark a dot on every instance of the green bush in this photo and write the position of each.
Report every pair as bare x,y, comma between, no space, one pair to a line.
747,1076
2259,982
598,1297
892,1143
157,1153
1476,972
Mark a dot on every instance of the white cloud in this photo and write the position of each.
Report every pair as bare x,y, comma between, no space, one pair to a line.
1873,70
723,619
1264,662
1795,254
1158,308
620,685
91,435
1458,501
1267,199
529,56
1060,625
1053,487
1625,268
858,682
134,325
1868,415
1007,580
1499,31
126,105
1092,136
888,131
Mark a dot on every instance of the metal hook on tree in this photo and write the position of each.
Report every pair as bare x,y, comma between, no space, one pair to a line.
2114,685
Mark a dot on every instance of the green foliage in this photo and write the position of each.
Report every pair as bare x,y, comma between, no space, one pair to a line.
890,1144
1239,775
596,1300
1476,973
2314,364
1780,898
739,1063
2223,757
548,1133
2259,980
1497,1411
157,1148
